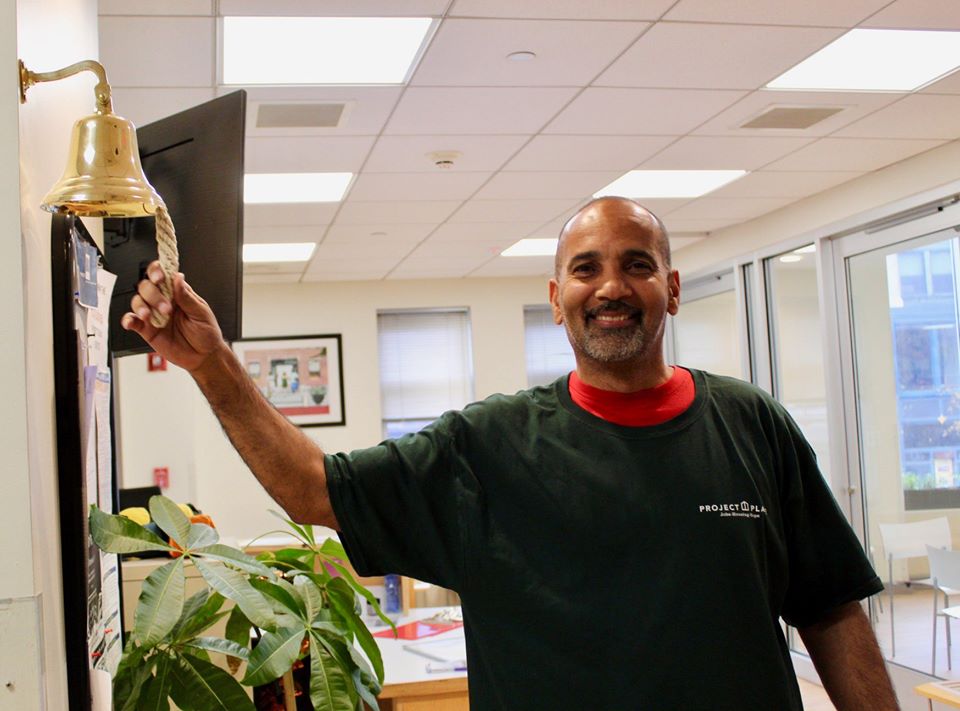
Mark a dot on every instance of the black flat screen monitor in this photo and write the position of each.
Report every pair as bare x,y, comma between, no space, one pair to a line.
194,159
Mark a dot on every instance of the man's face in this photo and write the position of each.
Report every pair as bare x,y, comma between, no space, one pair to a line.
613,289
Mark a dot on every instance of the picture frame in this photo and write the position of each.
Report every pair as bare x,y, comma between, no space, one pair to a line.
302,376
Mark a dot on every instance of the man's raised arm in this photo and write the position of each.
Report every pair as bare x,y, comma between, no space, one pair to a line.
287,463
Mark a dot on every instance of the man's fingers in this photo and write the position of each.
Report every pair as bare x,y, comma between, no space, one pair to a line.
187,299
132,322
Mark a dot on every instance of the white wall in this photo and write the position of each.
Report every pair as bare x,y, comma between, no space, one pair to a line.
46,35
156,407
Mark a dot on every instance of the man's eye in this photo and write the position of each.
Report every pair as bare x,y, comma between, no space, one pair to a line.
583,269
640,266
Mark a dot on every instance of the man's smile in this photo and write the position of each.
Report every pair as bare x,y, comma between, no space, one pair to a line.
614,315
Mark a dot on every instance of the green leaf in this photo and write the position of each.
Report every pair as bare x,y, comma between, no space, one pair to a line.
310,594
168,516
301,532
341,597
276,589
234,558
132,672
201,686
274,654
334,549
363,592
201,535
223,646
362,683
238,628
118,534
157,691
330,687
191,608
160,604
235,586
201,619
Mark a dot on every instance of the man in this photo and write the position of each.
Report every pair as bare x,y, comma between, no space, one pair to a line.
628,537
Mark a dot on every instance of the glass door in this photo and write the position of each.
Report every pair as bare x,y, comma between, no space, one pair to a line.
897,296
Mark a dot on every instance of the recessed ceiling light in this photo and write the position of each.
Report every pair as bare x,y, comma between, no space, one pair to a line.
321,50
279,252
521,56
531,247
294,187
788,258
669,183
809,249
876,60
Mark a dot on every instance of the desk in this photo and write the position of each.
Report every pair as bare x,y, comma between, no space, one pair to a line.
407,686
944,692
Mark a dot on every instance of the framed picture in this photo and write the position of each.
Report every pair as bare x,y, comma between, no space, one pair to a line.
302,376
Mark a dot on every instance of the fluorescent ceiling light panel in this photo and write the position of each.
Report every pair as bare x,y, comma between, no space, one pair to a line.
669,183
294,187
279,252
531,247
321,50
876,60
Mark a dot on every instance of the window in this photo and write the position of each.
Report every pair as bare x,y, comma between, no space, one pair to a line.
426,366
549,355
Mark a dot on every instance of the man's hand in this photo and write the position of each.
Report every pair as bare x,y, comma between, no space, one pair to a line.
192,333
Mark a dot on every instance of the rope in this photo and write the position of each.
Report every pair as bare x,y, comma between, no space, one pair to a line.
169,261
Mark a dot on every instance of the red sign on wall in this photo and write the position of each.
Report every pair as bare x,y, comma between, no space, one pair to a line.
161,477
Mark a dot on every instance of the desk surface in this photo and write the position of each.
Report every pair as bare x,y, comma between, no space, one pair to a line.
405,673
943,692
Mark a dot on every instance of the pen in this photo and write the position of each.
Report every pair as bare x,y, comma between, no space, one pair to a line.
446,666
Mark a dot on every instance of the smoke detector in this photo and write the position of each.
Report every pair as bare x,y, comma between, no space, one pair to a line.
444,159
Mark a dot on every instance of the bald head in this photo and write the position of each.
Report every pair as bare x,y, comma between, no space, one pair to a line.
600,211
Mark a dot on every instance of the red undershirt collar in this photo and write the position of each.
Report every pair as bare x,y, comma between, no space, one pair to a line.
643,408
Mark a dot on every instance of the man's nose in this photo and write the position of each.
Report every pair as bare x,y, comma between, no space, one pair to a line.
614,287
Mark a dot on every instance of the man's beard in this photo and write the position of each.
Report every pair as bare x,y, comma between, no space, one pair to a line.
610,345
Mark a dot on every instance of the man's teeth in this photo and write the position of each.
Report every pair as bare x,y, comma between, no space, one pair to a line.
612,317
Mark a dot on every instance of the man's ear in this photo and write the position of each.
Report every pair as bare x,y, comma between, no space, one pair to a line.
673,284
555,301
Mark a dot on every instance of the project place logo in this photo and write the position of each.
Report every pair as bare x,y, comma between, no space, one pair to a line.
742,510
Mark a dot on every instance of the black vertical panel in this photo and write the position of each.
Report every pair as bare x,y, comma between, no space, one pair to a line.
73,506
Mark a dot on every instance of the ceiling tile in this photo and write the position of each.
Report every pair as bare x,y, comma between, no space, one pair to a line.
416,186
356,269
358,274
460,250
819,13
590,153
306,154
734,208
663,206
678,242
722,153
726,56
151,7
138,52
917,15
474,52
143,106
856,154
334,8
368,107
516,267
270,278
400,213
511,210
701,225
950,84
507,110
599,111
854,105
483,232
274,268
563,9
374,233
285,233
543,185
435,267
362,249
411,154
268,215
767,183
916,116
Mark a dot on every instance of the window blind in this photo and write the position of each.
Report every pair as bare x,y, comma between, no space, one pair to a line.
426,366
549,354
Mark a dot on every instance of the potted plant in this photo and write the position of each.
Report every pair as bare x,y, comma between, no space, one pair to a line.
288,598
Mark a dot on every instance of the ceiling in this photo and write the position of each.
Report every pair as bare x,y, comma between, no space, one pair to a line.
616,85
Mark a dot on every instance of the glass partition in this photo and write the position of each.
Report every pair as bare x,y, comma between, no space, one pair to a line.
706,331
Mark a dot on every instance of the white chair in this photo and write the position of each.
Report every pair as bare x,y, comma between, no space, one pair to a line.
910,540
945,572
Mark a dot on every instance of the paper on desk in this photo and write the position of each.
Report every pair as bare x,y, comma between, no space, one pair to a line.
441,650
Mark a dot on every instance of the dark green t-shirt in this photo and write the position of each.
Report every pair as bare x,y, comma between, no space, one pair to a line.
609,567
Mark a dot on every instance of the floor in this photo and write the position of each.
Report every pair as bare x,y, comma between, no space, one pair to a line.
814,697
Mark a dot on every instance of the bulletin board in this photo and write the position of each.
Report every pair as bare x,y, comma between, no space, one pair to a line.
81,290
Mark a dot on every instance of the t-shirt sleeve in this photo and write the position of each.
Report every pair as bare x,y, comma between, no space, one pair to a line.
827,563
399,505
